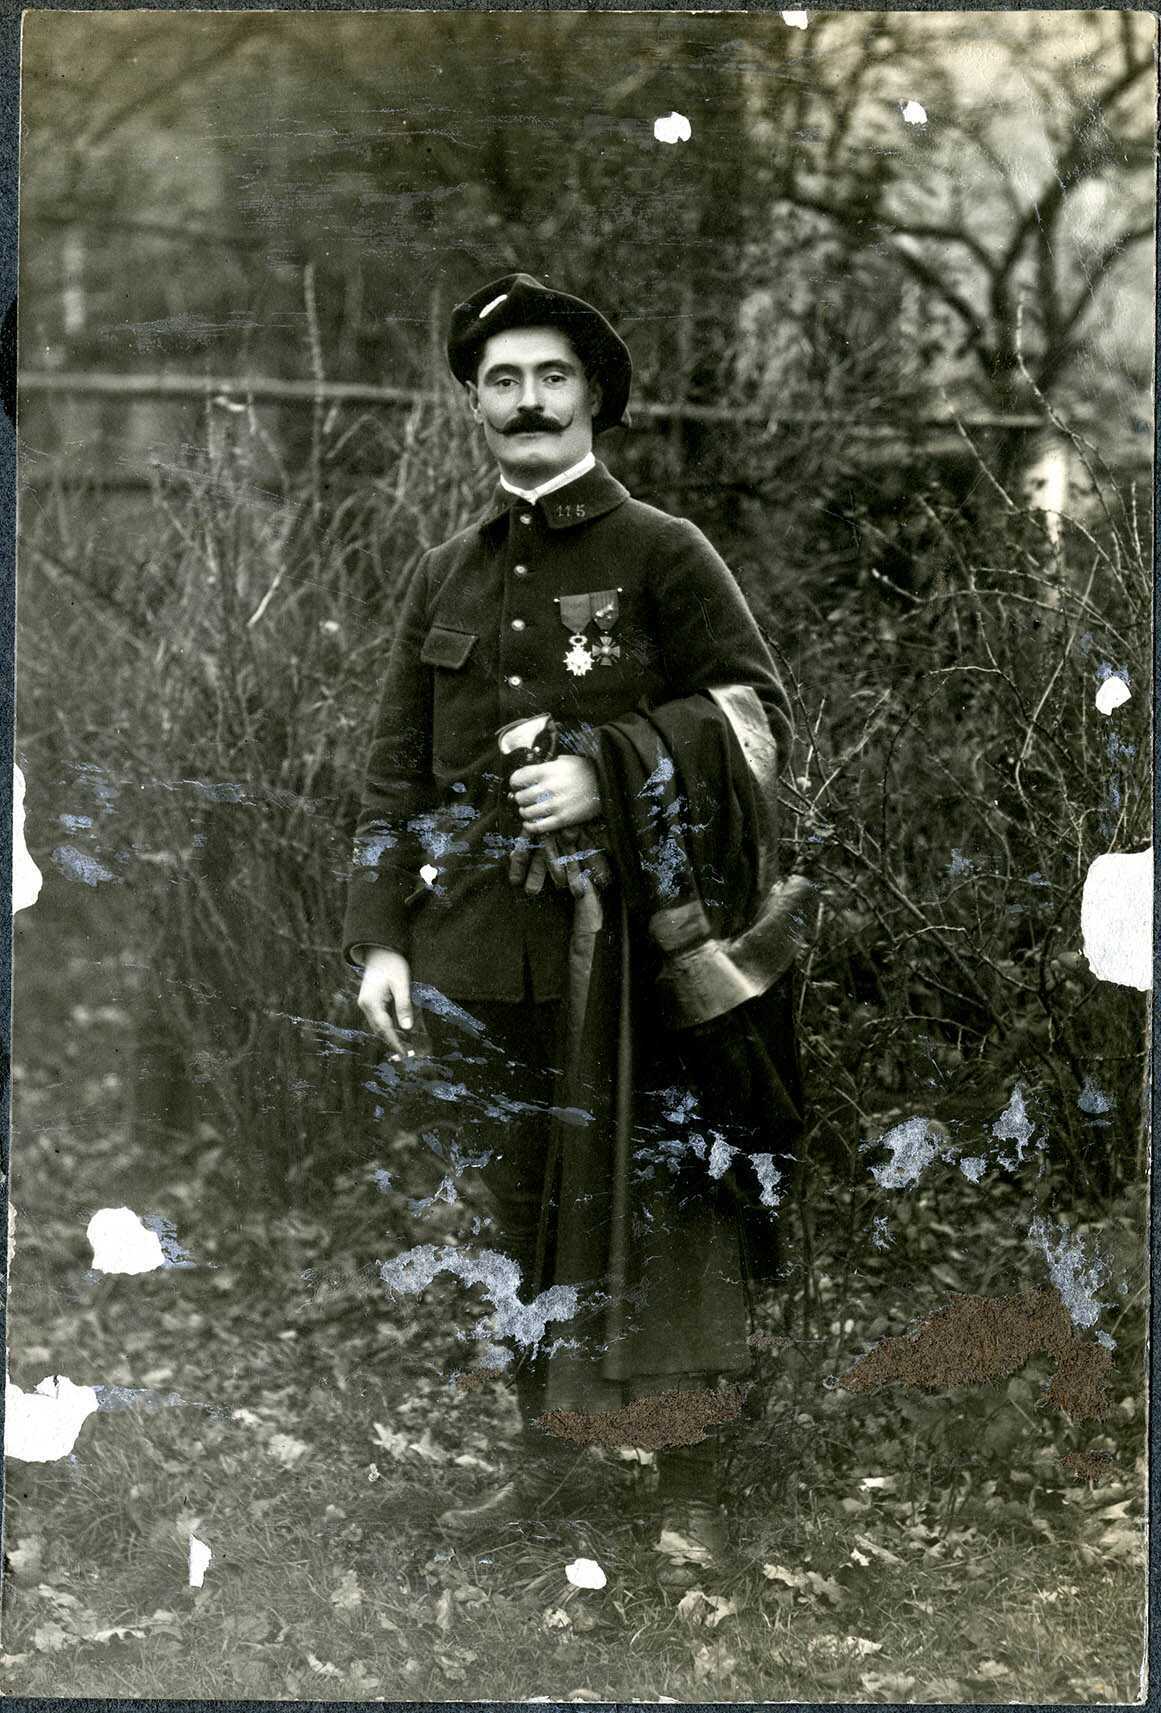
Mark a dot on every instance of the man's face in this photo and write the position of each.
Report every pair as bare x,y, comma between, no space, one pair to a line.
535,402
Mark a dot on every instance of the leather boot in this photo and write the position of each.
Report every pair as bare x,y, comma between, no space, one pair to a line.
536,1491
691,1507
538,1488
703,1525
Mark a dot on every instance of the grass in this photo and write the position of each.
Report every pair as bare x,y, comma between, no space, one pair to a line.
919,1549
328,1583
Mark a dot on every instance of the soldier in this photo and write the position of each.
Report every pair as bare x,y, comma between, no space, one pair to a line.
568,599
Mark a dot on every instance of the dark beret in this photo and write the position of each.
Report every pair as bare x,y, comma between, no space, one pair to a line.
518,300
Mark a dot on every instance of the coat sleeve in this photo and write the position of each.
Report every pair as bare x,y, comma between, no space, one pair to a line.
707,633
397,786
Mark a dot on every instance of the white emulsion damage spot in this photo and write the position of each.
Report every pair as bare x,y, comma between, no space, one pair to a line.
499,1275
796,20
1113,694
199,1561
27,879
1116,918
585,1573
769,1178
1093,1100
42,1425
1076,1276
672,128
122,1243
1014,1125
79,865
913,1148
914,113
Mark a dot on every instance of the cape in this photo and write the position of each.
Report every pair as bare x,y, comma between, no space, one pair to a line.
679,1105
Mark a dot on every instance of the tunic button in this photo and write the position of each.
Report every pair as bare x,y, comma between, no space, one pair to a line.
517,624
520,570
525,517
515,680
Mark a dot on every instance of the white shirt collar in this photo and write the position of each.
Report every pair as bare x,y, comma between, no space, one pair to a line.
550,487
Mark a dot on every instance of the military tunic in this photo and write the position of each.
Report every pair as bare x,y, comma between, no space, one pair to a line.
489,620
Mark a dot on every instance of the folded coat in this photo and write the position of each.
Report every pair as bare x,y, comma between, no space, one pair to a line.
681,1060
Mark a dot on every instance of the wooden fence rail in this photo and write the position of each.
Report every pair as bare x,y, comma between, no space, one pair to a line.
266,389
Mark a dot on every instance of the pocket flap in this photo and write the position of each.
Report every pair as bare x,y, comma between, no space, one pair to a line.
446,647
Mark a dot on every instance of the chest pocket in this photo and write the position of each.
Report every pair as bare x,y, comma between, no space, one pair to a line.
444,646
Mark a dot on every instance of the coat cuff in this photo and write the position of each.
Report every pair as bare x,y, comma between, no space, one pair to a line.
375,916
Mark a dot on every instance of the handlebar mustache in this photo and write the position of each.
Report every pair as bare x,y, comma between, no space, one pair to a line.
533,424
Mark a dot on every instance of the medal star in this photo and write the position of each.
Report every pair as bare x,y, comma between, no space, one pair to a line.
578,660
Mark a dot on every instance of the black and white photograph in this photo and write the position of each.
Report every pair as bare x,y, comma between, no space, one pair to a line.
582,857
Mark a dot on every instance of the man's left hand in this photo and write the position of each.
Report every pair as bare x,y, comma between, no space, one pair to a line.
552,795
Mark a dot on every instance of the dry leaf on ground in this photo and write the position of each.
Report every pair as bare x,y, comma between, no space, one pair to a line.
286,1449
877,1551
680,1550
697,1607
712,1660
890,1684
348,1596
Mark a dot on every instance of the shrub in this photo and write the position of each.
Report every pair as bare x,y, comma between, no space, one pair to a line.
951,784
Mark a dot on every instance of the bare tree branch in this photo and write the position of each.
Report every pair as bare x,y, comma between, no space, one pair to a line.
1079,161
929,275
154,94
1109,256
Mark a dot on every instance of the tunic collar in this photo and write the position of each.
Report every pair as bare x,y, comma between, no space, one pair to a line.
572,474
588,497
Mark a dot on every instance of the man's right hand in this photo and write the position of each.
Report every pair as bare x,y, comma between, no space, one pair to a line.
385,998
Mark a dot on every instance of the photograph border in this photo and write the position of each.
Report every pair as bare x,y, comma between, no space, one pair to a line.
10,25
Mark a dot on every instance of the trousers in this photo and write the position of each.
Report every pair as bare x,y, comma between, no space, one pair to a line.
507,1075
